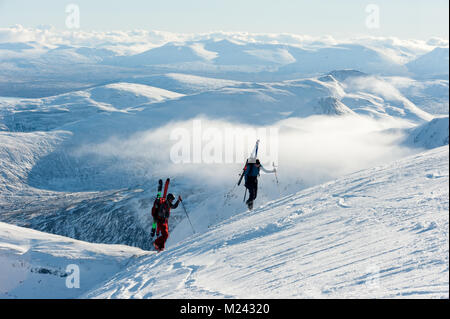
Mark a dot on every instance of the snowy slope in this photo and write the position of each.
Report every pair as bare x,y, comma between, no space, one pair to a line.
434,63
19,153
37,265
431,96
128,95
429,135
337,93
344,56
376,97
122,110
53,112
381,232
106,216
225,55
94,178
184,83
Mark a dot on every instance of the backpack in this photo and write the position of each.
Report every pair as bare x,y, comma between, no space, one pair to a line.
163,209
160,209
252,170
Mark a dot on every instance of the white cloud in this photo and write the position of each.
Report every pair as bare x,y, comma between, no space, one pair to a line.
200,50
376,86
280,56
313,150
135,41
438,42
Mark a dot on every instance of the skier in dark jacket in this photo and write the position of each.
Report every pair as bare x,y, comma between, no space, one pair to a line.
251,174
161,215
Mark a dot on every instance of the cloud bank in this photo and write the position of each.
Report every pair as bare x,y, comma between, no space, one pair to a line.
136,41
308,151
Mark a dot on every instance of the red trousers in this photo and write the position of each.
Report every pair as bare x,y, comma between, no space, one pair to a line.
163,229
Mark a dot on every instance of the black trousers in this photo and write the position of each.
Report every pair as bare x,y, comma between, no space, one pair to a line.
252,185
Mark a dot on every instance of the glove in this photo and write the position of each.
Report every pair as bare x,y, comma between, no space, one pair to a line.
153,229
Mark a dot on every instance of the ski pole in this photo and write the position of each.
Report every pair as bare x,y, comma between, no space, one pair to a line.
187,216
245,194
228,195
276,178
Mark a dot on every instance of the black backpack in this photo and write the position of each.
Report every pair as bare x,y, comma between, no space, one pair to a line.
163,209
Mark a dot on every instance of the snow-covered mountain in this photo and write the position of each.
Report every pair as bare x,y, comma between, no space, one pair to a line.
59,63
39,265
226,55
368,234
83,161
339,92
28,115
431,64
428,94
429,135
122,110
90,121
184,83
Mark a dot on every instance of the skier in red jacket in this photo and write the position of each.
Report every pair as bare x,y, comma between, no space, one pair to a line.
161,214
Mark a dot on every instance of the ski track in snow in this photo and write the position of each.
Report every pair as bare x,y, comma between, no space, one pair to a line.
386,236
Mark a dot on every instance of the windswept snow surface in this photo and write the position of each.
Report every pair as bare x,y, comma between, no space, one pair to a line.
377,233
41,265
28,115
430,95
430,135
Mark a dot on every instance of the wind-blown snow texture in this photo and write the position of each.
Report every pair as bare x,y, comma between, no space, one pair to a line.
431,134
368,234
37,265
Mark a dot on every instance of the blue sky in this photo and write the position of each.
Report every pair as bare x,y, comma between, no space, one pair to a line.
418,19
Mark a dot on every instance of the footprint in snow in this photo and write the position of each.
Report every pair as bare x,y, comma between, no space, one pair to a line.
341,202
434,175
424,227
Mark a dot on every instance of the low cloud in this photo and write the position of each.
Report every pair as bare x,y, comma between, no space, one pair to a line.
375,86
136,41
309,151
